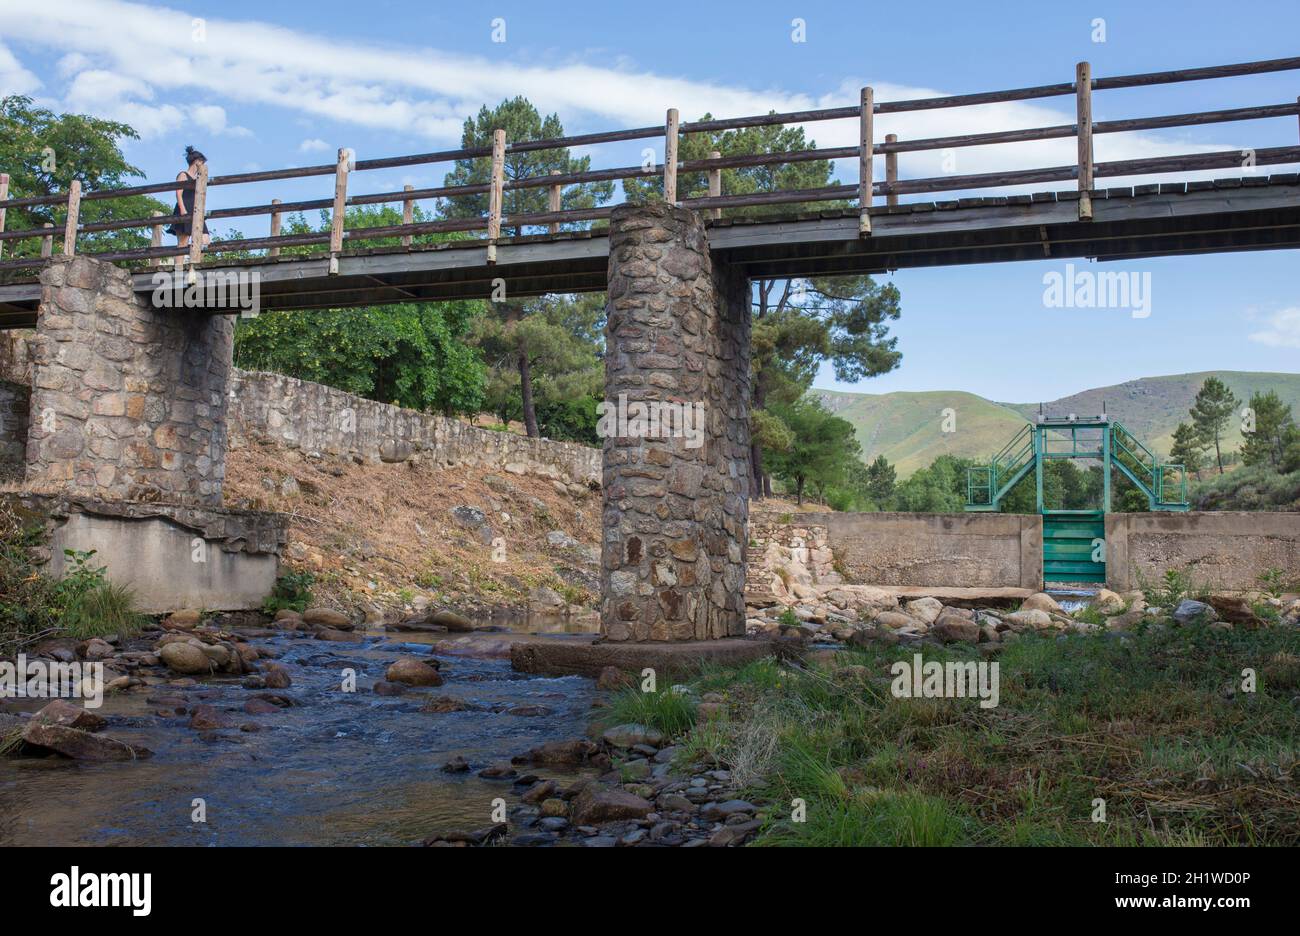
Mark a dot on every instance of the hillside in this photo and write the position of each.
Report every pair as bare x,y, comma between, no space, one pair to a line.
907,428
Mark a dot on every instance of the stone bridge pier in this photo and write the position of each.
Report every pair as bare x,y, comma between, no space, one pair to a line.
128,402
676,447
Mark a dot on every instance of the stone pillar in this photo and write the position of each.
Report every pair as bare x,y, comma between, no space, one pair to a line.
675,503
128,402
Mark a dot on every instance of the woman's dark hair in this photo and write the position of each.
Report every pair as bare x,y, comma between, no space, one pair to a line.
192,156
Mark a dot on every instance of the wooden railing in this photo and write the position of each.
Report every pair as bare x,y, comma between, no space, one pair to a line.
1085,171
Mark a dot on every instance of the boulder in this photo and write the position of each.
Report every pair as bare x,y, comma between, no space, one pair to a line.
208,718
185,658
612,678
97,649
603,805
412,672
955,628
80,745
630,735
327,617
1189,611
59,712
1107,602
1032,619
449,619
184,620
276,676
1235,609
336,636
926,610
561,753
1041,601
896,620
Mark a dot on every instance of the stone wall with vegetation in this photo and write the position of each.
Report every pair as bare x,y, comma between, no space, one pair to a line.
314,418
1228,550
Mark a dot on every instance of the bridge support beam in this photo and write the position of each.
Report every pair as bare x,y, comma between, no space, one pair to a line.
128,402
676,432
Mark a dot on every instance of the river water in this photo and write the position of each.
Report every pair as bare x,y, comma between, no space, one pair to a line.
336,768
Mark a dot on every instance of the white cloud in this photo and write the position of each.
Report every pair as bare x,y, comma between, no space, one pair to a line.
314,145
428,92
213,119
1283,330
14,79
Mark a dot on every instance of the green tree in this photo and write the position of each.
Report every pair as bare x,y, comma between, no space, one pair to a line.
1188,448
940,488
43,152
1211,412
412,354
1274,431
522,123
798,325
823,446
557,344
881,481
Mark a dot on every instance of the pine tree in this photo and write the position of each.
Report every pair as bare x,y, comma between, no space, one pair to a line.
1274,430
1188,448
1211,412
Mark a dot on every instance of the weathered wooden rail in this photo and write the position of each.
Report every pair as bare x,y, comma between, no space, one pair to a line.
1084,172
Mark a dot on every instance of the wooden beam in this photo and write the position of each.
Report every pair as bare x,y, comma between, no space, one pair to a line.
275,229
408,214
47,242
891,172
495,194
866,115
671,126
339,213
70,225
715,185
553,203
1083,99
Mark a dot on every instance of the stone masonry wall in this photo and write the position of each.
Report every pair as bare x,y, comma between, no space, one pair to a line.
675,514
128,402
314,418
15,404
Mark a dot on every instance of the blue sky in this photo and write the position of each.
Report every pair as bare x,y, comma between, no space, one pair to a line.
275,84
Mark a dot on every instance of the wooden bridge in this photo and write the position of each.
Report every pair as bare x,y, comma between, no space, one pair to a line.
877,231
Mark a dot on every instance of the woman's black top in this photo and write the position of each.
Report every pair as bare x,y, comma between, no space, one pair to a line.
184,225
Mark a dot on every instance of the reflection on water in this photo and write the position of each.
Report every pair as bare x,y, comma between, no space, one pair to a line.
337,768
1072,599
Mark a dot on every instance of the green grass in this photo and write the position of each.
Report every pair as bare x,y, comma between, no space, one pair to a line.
672,713
1156,725
103,609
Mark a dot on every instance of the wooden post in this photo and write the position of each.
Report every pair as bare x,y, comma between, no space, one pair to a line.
865,145
196,221
47,242
496,192
70,227
1083,97
4,194
715,185
553,203
891,171
670,157
275,228
155,238
408,214
340,209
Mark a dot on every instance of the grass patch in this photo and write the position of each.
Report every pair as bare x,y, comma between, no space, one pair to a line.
1157,725
672,713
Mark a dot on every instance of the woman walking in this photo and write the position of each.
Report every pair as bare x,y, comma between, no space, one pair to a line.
185,202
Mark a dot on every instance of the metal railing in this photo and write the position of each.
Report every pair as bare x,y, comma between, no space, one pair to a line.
1084,172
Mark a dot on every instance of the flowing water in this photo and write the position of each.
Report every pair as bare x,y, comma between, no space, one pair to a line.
1072,599
336,768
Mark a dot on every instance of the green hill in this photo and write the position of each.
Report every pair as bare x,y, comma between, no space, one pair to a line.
908,428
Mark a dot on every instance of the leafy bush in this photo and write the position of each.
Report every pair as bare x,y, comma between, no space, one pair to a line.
292,591
88,604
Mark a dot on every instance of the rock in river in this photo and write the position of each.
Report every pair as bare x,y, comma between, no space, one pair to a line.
413,672
185,658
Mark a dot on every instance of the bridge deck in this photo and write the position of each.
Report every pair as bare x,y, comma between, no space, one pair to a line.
1249,213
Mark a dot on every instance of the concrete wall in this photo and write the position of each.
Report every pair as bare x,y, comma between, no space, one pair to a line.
314,418
1220,549
965,550
171,556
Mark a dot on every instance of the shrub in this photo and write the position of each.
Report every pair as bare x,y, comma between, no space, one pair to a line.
292,591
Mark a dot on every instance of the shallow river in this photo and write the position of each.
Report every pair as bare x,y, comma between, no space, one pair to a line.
336,768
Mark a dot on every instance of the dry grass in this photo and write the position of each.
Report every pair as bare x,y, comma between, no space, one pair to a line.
384,534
